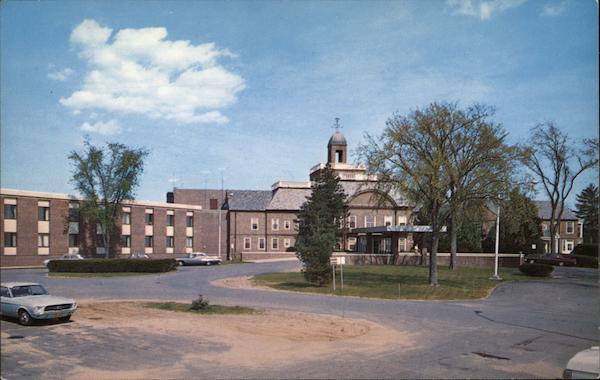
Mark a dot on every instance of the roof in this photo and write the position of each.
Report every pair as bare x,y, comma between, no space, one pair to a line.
337,139
353,187
11,284
288,199
545,211
248,200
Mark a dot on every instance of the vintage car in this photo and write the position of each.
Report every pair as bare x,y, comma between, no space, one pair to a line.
555,260
30,301
68,256
584,365
198,258
138,255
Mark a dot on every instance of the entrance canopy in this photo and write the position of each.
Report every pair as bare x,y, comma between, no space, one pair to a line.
387,239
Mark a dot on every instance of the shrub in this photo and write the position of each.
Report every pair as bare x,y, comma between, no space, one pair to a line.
536,269
200,303
589,250
586,261
290,249
112,265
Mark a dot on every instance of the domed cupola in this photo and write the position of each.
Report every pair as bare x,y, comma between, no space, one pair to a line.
337,146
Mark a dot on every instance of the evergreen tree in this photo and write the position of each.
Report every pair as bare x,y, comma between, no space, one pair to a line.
319,222
587,205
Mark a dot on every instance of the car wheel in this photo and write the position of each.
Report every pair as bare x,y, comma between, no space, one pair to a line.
180,263
531,261
24,318
207,263
561,264
65,319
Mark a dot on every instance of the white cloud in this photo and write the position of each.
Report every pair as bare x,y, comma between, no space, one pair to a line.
554,9
111,127
60,75
138,71
482,9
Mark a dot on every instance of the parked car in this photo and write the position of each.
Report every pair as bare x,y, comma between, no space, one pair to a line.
584,365
68,256
30,301
555,260
138,255
199,258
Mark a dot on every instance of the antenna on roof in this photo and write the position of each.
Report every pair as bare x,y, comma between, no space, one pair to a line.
337,125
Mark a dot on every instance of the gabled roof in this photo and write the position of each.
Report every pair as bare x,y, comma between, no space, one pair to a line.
248,200
351,188
545,211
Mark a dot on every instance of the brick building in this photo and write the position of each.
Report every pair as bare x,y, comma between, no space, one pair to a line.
570,229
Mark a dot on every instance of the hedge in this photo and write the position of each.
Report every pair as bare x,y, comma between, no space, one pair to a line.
589,250
112,265
585,261
536,269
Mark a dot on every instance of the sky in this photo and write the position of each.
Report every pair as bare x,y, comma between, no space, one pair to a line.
248,90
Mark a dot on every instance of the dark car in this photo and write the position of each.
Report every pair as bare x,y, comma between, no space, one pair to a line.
555,260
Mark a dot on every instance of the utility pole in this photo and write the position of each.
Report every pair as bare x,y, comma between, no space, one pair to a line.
496,276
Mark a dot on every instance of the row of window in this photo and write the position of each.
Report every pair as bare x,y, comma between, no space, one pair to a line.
570,227
149,219
10,240
261,243
287,224
10,212
149,241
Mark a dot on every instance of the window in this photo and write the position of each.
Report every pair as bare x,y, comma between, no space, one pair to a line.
170,220
569,245
247,243
189,221
401,244
148,241
10,211
286,243
275,224
99,241
544,227
170,241
189,242
148,219
351,244
254,224
73,240
275,243
370,221
402,220
352,221
126,218
388,220
4,291
43,240
43,213
213,204
73,212
286,224
261,243
125,241
570,227
10,239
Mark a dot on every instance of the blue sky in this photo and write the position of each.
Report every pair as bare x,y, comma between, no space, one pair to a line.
254,90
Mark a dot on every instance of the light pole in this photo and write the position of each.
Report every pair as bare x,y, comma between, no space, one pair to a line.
220,207
496,276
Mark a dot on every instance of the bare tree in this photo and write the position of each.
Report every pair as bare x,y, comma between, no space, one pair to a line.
556,161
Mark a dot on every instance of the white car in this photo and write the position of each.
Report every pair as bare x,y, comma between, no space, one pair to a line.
68,256
29,301
584,365
199,258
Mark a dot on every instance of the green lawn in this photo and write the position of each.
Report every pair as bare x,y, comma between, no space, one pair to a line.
102,274
211,309
398,282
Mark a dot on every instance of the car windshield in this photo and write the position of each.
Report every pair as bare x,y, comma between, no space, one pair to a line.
28,290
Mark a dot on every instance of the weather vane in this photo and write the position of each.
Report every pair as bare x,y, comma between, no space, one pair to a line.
337,125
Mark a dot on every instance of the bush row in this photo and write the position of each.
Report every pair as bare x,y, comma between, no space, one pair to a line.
536,269
586,261
112,265
589,250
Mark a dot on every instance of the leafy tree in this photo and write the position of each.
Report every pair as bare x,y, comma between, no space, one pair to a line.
556,161
409,157
519,224
319,226
105,178
588,202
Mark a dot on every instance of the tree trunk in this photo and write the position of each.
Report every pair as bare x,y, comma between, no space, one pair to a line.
453,242
106,238
553,228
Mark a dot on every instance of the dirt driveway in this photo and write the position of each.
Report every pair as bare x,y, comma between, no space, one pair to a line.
195,342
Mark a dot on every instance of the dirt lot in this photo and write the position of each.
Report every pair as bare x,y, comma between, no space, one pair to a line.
269,339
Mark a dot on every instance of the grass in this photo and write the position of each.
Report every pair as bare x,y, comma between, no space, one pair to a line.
102,274
210,309
398,282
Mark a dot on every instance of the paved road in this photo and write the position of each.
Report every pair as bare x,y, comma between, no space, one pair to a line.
524,329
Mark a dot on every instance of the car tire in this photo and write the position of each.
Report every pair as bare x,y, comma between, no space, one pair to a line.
180,263
207,263
24,318
531,261
561,264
